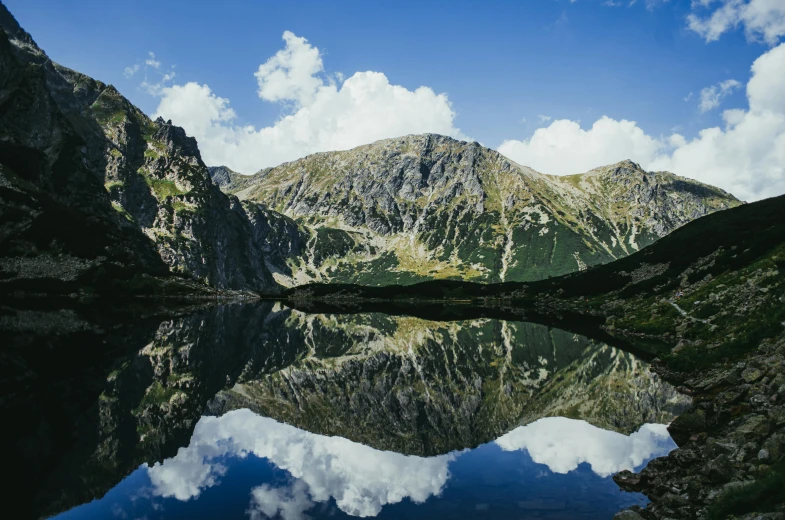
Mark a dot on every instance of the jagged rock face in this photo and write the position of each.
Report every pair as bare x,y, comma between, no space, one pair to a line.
427,206
222,176
89,184
58,228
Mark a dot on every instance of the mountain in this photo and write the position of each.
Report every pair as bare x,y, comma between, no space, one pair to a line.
425,207
97,197
714,289
93,192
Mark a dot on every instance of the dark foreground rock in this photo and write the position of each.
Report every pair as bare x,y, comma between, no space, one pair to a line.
731,457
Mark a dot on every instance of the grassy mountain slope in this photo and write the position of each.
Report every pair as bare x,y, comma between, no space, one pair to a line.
426,207
728,267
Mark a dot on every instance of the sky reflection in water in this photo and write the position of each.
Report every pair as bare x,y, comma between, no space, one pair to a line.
242,465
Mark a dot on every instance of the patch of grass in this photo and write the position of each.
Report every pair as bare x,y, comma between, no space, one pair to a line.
760,496
179,206
163,188
107,115
746,334
575,180
739,330
177,377
121,210
156,395
155,149
653,319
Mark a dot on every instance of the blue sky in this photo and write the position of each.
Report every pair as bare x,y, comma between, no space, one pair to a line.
500,64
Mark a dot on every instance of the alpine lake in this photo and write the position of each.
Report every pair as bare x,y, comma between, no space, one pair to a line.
261,410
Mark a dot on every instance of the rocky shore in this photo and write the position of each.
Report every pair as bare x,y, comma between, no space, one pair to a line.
731,457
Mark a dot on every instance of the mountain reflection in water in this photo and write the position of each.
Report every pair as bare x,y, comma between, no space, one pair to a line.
265,411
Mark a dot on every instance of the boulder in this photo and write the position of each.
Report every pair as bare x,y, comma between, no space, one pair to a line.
719,470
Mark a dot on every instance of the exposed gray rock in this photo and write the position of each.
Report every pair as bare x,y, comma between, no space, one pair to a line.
725,446
91,190
435,207
719,470
751,374
775,447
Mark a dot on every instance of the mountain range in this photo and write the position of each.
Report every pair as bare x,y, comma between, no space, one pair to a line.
97,197
424,207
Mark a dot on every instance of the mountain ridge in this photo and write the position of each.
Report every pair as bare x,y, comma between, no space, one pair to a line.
77,153
426,206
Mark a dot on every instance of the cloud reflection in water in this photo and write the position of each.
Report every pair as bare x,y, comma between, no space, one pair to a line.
562,444
361,479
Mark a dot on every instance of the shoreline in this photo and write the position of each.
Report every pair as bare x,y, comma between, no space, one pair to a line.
730,462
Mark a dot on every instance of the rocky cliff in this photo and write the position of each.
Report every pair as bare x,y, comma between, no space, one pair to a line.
427,206
92,190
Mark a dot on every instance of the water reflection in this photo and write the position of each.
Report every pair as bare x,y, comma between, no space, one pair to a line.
356,413
317,476
562,444
360,479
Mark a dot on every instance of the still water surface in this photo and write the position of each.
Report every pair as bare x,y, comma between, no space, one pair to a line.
263,411
243,465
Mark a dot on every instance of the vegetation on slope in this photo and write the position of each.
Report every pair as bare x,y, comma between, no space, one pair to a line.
715,287
431,207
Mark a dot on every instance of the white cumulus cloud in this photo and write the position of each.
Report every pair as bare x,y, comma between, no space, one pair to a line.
328,112
761,19
746,156
291,75
563,147
711,96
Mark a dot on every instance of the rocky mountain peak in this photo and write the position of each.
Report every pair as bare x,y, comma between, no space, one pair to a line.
177,140
400,210
625,167
77,155
427,205
15,33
